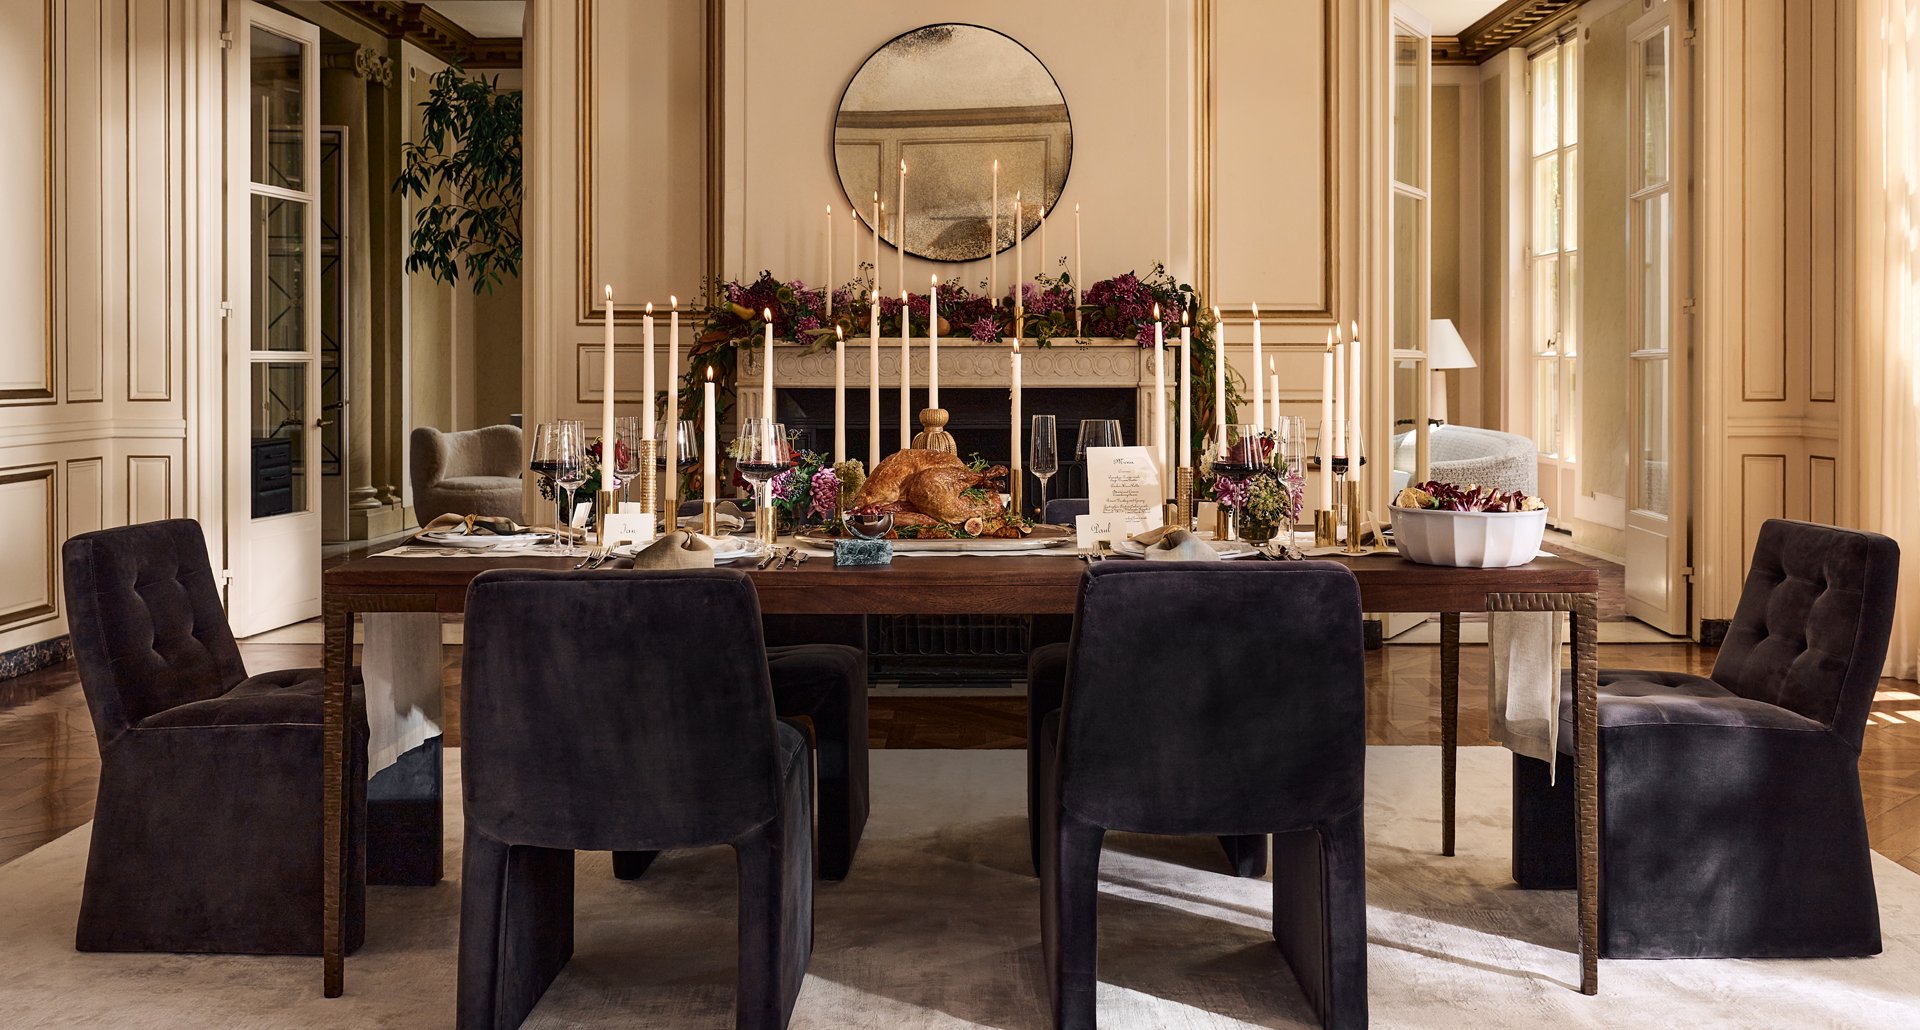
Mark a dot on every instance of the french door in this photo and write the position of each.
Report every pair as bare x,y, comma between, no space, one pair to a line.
1657,242
1553,268
273,369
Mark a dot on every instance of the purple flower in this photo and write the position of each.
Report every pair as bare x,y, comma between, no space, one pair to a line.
826,491
986,330
1229,491
805,325
787,486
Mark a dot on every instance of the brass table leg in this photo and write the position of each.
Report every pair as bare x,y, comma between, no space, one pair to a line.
338,638
1449,724
1586,731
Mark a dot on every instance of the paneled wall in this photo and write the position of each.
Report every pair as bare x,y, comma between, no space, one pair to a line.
1776,285
96,256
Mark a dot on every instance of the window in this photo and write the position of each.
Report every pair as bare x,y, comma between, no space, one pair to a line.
1553,248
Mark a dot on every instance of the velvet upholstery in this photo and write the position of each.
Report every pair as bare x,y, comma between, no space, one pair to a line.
473,472
1061,511
669,742
1731,817
1208,698
207,829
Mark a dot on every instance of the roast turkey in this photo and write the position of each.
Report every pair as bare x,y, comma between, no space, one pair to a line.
925,489
887,483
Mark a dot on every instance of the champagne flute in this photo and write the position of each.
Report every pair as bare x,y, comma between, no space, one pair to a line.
1290,455
761,453
1043,454
571,463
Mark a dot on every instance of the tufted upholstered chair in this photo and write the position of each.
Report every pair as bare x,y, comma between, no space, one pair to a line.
672,742
1239,724
206,834
1731,819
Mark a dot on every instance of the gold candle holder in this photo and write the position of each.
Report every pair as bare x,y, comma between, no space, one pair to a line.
1223,523
707,524
933,434
1326,527
1183,496
605,503
644,489
1016,490
1353,518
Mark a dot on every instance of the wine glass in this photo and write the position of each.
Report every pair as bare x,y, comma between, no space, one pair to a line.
1243,451
1097,432
559,456
686,436
1043,454
1290,455
626,451
761,453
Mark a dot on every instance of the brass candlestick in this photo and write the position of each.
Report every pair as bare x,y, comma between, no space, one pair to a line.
1353,518
1183,495
1016,489
933,434
605,503
707,525
1326,527
644,488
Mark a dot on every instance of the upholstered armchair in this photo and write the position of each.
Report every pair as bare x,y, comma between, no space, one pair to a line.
1731,821
475,472
671,742
206,834
1190,709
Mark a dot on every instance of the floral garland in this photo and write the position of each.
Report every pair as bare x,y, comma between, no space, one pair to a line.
731,319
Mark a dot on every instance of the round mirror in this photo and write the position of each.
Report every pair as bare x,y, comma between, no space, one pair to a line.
950,100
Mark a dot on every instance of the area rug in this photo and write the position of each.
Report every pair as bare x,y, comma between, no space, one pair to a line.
939,927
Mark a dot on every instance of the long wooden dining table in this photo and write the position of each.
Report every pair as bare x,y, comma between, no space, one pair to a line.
979,585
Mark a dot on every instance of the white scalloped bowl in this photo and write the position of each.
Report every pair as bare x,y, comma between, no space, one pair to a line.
1468,539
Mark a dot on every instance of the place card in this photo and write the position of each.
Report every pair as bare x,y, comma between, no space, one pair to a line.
1124,482
1091,529
629,528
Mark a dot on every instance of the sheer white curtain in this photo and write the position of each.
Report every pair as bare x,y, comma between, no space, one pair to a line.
1887,317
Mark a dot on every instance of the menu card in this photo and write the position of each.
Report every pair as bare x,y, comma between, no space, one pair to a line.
1123,493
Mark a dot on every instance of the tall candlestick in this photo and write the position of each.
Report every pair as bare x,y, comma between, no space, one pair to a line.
1259,395
1160,396
710,453
839,395
900,231
1339,447
906,374
1186,393
1013,436
1078,270
672,491
607,478
853,245
646,372
993,239
766,362
1273,395
826,287
1356,405
873,384
1219,385
1324,445
1019,270
1040,266
933,342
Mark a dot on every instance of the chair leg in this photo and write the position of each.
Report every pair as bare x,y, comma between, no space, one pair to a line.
840,735
1040,753
631,865
1069,905
775,864
1320,915
516,930
1247,853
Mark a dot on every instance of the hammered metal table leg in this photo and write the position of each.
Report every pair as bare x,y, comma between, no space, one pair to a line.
1586,730
1449,724
338,638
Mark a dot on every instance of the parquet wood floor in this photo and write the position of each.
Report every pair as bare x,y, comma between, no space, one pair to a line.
49,766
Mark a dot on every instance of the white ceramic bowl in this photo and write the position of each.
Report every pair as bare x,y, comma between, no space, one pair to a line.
1468,539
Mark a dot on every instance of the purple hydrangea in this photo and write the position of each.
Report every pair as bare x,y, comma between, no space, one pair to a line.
805,325
985,329
826,492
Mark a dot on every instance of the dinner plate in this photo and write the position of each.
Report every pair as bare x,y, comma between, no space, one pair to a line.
1227,549
1042,538
482,541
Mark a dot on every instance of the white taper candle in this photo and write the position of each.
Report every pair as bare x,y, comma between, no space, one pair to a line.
608,478
933,342
873,383
839,394
1259,395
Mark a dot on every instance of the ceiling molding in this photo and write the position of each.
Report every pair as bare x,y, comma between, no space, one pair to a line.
1514,23
433,32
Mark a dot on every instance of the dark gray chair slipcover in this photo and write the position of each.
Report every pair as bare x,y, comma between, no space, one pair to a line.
670,741
206,834
1731,822
1060,511
1217,698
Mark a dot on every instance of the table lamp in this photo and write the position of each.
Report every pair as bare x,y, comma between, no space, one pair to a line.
1445,350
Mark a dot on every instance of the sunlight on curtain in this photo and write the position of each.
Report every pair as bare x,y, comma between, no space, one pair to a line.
1888,296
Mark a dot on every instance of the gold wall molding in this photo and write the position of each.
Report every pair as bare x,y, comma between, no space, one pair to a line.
19,476
44,393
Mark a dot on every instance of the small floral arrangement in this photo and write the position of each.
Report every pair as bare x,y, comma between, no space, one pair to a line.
1437,496
591,487
1267,499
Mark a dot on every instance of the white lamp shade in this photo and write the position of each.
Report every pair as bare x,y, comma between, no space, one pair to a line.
1445,348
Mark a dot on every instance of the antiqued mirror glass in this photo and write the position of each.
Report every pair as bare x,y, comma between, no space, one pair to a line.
950,100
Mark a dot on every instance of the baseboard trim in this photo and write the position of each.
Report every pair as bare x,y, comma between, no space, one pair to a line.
1713,632
34,657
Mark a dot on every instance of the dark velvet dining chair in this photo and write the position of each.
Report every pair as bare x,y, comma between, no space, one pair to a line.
667,741
1061,511
207,830
1211,698
1731,822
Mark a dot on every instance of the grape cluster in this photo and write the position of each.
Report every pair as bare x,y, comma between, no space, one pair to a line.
1451,497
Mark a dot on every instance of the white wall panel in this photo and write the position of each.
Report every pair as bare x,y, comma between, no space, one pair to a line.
86,495
26,563
26,350
149,487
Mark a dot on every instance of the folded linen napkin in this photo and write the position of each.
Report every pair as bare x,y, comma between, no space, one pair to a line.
479,525
1176,545
727,517
1523,694
676,550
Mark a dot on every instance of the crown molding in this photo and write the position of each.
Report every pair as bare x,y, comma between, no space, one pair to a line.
433,32
1514,23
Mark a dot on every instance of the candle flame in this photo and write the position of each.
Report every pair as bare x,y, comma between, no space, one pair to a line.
934,279
1330,340
609,291
1016,346
649,307
1076,209
709,373
996,164
839,333
675,301
903,168
1156,312
1216,314
1256,312
1183,316
767,313
1270,367
1356,330
876,298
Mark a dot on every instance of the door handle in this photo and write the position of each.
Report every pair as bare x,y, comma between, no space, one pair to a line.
322,423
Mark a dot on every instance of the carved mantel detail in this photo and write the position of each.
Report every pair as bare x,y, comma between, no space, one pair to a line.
1116,364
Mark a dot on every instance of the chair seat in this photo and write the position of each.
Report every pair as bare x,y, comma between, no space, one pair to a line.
475,486
1640,697
288,697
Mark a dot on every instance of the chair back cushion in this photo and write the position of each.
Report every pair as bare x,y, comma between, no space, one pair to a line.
1061,511
1214,697
1811,630
616,710
487,451
148,629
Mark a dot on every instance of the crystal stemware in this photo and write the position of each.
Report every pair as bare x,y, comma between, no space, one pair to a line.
1244,451
627,435
1043,454
762,452
559,457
